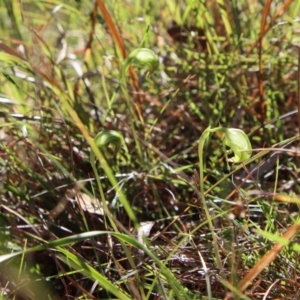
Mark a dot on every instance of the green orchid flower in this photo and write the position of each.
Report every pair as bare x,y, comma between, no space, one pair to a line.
239,143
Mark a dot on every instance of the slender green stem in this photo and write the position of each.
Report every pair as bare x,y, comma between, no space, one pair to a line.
143,58
239,143
102,140
202,140
133,116
103,200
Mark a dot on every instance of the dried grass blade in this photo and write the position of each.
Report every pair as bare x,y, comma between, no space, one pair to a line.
267,258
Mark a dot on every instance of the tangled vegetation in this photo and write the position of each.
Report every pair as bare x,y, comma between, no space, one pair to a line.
149,149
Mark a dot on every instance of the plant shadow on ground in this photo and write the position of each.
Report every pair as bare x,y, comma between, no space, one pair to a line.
61,81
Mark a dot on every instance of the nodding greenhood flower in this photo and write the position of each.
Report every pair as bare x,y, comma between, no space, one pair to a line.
105,137
239,143
143,57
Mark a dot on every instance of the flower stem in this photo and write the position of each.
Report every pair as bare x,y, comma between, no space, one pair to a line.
202,139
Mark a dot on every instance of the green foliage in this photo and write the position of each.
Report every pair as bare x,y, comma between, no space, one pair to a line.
81,117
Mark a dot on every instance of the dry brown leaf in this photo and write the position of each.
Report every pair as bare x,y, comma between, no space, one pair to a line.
91,205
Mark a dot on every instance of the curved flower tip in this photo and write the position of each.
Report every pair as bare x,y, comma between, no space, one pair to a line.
105,137
239,143
143,57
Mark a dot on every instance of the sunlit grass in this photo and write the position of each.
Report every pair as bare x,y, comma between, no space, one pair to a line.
63,81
